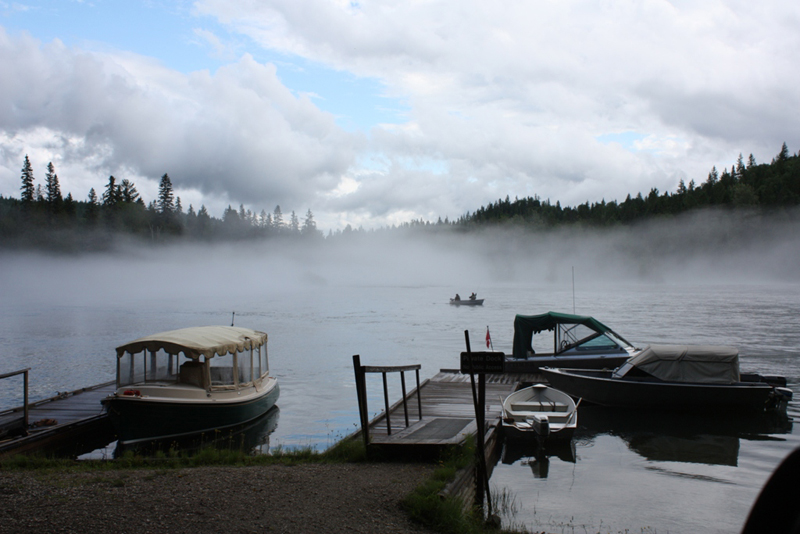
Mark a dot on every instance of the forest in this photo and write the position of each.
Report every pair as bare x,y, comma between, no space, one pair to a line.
43,218
745,185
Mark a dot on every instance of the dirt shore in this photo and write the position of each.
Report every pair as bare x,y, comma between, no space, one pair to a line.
360,498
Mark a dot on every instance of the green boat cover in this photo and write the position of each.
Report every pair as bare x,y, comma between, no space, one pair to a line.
525,326
208,341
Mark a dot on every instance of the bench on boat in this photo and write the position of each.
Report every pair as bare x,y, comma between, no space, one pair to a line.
534,406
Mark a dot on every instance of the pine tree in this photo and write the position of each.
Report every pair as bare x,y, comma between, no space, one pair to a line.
277,218
128,192
112,195
28,191
166,197
54,198
294,223
309,225
92,207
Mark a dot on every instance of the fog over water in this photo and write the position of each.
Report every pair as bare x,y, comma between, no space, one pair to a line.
702,278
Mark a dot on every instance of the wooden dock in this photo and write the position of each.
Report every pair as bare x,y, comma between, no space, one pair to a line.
70,423
448,411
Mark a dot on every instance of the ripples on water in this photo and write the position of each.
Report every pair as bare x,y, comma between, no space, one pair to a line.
624,474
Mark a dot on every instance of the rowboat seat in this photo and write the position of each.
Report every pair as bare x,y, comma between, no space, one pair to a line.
533,406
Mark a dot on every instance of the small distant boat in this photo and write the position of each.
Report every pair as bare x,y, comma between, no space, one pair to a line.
466,302
539,412
687,378
191,380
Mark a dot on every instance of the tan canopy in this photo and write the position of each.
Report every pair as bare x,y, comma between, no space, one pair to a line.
689,363
209,341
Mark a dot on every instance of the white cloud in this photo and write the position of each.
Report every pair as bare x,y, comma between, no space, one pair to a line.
517,98
238,133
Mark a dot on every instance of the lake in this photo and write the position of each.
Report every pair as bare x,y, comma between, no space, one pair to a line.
63,317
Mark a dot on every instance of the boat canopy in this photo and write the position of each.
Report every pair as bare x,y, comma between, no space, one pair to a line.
707,364
525,326
208,341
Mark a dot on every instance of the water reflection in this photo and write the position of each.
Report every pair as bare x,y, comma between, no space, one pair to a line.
662,437
672,437
251,438
537,456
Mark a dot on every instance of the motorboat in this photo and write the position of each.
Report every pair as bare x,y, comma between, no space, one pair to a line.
466,302
577,341
540,413
688,378
189,381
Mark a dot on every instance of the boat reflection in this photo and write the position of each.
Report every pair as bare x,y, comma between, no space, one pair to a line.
252,438
537,456
674,437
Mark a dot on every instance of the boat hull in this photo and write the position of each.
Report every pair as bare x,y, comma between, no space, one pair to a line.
143,418
467,302
598,387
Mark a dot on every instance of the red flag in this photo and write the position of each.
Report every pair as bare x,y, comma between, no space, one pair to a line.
488,338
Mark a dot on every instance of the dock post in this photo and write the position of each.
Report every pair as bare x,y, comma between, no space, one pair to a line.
25,398
405,403
361,394
479,401
419,397
386,403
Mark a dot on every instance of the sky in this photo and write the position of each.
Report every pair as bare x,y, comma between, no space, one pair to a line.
376,113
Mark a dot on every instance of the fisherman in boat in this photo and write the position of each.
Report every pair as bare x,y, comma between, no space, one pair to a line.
458,297
473,296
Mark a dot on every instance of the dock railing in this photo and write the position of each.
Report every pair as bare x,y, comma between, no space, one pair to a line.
361,391
24,373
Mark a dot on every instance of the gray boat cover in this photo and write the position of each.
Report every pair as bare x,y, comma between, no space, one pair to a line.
209,341
707,364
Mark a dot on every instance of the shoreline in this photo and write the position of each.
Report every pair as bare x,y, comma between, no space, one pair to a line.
333,498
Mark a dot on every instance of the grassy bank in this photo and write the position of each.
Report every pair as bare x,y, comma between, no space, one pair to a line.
426,505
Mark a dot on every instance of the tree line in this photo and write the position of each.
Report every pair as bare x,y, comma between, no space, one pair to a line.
745,185
43,214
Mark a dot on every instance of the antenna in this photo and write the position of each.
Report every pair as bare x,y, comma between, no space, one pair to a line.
232,316
573,290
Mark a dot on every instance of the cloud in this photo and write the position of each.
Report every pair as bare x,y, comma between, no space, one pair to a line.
237,133
518,94
518,99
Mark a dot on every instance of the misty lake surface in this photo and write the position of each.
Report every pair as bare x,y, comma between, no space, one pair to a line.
63,317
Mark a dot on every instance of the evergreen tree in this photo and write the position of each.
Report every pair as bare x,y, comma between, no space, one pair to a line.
166,197
128,192
92,207
294,223
28,191
112,195
54,198
277,218
309,225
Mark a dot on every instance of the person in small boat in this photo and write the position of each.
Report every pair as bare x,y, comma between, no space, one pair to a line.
473,296
458,297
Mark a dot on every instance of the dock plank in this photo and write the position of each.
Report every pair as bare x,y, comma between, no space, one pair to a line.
448,412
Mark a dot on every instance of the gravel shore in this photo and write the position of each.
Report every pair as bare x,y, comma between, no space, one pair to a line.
330,498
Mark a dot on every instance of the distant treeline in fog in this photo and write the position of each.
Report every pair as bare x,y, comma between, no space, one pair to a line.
744,185
43,218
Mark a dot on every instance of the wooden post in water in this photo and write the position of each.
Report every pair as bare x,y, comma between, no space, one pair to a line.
361,393
479,401
386,404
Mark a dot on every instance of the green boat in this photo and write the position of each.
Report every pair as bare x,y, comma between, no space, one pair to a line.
190,381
